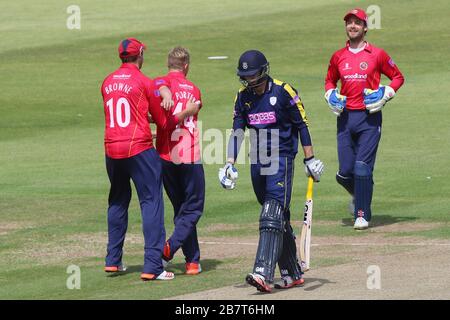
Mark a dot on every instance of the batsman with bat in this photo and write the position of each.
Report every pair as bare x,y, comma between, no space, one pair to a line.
275,116
358,106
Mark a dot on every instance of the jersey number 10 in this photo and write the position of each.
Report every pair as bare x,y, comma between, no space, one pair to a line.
122,110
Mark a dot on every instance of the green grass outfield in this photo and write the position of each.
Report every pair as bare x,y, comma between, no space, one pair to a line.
53,184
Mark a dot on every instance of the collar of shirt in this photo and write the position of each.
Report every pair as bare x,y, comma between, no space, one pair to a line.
129,66
268,88
176,74
367,47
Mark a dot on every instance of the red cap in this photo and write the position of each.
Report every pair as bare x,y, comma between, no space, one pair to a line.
357,12
131,47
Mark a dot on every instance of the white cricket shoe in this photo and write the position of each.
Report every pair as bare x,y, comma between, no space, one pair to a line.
165,275
361,224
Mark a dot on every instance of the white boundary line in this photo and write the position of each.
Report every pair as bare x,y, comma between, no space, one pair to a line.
333,244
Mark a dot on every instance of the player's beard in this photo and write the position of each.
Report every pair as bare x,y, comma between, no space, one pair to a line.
356,38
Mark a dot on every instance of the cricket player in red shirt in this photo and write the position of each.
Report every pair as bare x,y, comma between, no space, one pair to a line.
358,105
128,98
183,175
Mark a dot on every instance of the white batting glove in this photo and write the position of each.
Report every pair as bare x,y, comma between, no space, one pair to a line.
313,168
376,99
228,176
335,101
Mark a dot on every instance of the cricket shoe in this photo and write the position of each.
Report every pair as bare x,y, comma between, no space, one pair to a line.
193,268
361,224
115,269
165,275
287,282
258,281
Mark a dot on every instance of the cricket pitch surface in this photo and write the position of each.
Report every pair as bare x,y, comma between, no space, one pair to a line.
367,267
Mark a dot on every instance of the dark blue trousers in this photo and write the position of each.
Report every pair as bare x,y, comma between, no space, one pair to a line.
145,171
358,136
185,187
277,186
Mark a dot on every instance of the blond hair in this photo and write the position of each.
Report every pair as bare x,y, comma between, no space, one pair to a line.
178,58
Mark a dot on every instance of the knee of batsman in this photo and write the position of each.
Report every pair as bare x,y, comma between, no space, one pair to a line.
271,217
344,178
362,169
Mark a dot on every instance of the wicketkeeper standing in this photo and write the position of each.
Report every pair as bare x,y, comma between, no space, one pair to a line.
358,105
274,113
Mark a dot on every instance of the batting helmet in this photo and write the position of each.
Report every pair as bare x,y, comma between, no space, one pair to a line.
253,63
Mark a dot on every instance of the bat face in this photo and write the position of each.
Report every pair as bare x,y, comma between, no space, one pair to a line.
305,238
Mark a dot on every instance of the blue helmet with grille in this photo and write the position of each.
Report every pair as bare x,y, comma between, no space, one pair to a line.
252,64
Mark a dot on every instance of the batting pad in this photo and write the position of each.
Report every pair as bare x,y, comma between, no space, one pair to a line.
288,262
270,239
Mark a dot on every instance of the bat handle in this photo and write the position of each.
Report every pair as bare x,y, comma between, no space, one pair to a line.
309,191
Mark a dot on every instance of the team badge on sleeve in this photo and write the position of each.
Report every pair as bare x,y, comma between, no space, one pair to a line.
391,62
295,100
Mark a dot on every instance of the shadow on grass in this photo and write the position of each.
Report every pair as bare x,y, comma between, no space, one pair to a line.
379,220
207,265
177,268
311,284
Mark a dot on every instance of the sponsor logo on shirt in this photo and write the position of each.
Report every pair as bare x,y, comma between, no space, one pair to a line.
186,86
355,76
159,82
262,118
122,76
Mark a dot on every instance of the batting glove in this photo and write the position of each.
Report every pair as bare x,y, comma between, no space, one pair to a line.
228,176
376,99
313,168
335,101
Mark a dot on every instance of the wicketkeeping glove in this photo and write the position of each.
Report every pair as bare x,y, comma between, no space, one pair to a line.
376,99
313,168
228,176
335,101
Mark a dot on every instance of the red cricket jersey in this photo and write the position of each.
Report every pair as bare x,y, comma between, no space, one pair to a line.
182,144
128,97
358,71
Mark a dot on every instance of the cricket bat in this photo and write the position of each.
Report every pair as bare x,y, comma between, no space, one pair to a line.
305,237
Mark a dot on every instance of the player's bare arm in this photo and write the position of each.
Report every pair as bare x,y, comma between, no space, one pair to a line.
166,95
192,108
